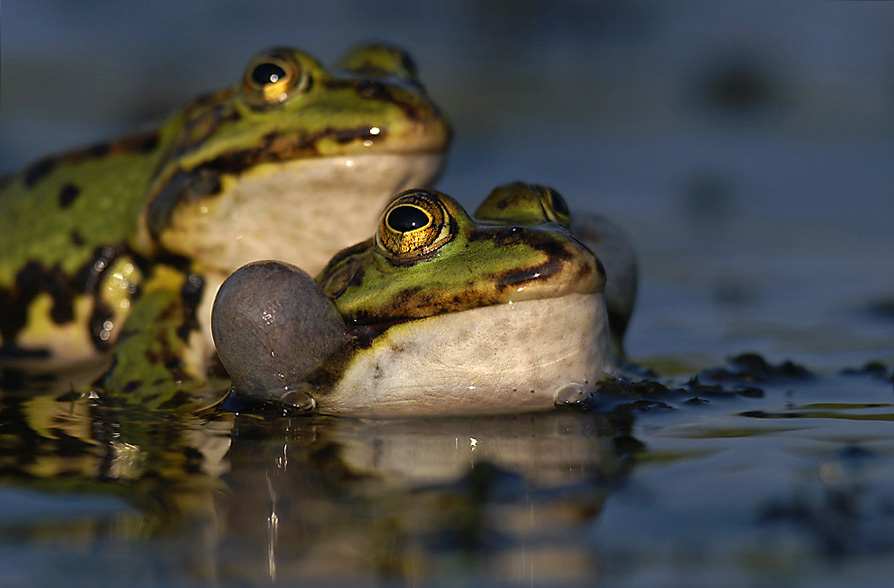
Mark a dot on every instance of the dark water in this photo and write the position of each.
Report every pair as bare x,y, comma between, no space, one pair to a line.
774,477
748,152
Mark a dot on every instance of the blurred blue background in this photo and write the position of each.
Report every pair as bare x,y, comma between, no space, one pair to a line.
747,148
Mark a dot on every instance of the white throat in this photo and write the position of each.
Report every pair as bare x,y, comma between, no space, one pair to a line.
495,359
301,212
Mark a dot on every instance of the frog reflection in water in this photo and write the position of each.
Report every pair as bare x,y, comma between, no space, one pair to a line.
438,313
119,249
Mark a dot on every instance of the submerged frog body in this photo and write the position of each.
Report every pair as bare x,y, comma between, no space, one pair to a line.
520,202
122,246
438,313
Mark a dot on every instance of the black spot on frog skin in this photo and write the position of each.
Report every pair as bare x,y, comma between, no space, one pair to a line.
191,293
39,170
87,277
101,313
68,194
132,386
34,279
99,150
44,167
202,121
374,90
30,281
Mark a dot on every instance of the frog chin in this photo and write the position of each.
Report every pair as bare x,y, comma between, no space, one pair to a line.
507,358
301,212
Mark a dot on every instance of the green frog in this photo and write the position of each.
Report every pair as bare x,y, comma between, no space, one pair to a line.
520,202
438,313
118,249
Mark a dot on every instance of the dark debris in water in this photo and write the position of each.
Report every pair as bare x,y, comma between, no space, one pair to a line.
621,399
744,376
875,369
647,393
881,309
762,414
841,512
751,367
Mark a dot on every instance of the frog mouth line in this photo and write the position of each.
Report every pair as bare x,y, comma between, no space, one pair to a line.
205,180
561,268
366,327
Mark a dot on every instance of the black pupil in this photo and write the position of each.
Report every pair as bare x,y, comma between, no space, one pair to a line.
407,218
267,73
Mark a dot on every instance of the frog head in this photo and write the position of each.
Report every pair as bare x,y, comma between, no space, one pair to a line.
253,171
430,257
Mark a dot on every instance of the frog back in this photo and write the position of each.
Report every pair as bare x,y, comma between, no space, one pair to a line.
58,210
66,222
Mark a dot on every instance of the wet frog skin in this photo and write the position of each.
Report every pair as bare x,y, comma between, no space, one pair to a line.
438,313
158,220
521,202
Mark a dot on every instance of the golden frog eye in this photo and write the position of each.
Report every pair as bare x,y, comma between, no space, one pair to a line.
271,78
414,226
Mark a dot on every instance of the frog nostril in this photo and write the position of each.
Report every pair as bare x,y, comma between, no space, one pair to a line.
372,89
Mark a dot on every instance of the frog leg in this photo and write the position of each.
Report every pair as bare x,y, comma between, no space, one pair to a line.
161,356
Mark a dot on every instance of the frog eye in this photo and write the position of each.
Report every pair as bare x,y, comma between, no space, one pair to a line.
271,78
554,205
414,226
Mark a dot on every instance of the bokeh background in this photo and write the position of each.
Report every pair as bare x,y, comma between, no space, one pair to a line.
748,148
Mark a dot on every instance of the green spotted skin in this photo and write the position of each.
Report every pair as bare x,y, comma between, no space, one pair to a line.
83,233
